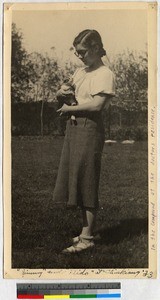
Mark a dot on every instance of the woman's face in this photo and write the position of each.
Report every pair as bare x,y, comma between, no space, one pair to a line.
88,55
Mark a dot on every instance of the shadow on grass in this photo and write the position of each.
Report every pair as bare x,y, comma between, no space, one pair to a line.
125,229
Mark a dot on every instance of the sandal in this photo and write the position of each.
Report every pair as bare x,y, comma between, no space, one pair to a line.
79,246
76,239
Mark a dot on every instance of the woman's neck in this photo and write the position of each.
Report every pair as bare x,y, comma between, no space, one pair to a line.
96,65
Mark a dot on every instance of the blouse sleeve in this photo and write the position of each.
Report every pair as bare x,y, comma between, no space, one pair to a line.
103,82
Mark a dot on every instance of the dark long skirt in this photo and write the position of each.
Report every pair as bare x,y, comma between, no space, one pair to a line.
79,169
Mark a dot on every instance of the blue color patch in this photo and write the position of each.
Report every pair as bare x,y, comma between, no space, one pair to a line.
109,296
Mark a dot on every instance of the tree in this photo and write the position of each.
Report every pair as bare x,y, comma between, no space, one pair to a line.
48,78
131,71
21,68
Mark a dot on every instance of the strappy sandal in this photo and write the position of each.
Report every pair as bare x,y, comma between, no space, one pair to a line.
79,246
76,239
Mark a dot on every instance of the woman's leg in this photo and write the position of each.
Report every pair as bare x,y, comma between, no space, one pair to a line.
85,240
89,220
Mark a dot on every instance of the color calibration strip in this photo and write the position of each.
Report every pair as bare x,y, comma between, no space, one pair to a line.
89,296
69,291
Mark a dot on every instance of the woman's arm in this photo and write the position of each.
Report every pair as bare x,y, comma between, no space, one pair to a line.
98,103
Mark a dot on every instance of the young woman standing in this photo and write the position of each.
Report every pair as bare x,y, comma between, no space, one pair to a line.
79,170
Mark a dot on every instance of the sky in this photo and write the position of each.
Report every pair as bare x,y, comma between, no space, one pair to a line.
120,29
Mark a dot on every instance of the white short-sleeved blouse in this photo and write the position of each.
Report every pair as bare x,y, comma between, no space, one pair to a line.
87,84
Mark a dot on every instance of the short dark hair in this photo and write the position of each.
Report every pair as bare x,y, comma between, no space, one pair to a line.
90,38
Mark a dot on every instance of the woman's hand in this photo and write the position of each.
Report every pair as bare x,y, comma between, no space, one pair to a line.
64,109
65,91
98,103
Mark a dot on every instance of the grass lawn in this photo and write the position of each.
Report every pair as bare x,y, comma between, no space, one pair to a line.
41,230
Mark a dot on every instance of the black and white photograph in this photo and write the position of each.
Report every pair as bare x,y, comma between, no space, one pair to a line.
80,124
